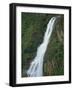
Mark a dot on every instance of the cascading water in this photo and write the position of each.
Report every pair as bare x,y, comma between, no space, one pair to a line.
36,66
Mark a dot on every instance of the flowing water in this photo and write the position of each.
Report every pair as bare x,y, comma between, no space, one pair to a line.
36,66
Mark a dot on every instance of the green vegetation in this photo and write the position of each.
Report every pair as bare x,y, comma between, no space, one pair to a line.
33,29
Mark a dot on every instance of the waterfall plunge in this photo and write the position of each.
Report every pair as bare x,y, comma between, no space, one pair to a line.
36,66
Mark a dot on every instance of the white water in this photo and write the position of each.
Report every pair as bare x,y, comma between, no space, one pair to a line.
36,66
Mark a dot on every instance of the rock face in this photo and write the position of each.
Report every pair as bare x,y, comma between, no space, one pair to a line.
33,29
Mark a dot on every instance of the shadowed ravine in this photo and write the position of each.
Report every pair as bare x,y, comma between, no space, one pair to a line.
36,66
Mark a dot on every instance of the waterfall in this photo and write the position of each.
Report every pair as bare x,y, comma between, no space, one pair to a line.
36,66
